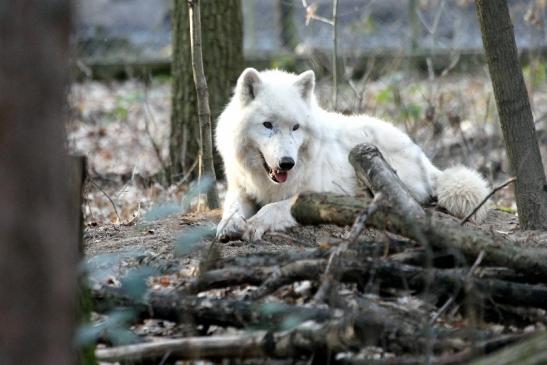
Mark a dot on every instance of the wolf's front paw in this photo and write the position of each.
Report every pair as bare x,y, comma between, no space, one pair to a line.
254,231
231,228
268,219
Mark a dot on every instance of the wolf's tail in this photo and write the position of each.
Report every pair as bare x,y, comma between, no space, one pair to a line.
459,190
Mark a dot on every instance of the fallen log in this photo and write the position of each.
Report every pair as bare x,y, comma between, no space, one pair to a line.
351,332
179,307
439,230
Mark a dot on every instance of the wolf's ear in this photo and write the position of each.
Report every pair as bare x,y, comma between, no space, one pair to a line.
306,84
248,85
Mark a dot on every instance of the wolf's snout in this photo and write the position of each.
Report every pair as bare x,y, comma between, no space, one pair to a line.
286,163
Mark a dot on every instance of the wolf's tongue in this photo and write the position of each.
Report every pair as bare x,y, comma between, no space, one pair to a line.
280,176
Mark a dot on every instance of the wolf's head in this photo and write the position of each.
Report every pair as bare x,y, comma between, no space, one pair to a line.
276,108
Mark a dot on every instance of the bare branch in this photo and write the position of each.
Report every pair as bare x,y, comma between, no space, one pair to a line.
499,187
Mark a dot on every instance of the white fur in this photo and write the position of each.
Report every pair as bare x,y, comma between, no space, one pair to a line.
320,148
459,190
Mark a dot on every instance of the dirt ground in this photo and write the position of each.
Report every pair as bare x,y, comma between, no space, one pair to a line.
113,250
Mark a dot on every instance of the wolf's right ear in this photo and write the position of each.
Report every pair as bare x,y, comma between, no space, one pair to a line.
248,85
305,84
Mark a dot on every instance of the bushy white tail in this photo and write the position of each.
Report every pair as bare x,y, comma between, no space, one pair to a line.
459,190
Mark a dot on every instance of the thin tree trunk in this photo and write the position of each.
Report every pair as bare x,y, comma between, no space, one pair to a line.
38,230
516,118
204,113
414,25
223,62
288,35
334,54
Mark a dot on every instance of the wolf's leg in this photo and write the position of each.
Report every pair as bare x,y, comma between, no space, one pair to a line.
271,217
237,208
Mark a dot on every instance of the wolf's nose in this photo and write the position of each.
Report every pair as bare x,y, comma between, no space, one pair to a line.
286,163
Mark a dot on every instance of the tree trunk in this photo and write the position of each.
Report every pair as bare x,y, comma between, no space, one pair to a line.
38,230
288,32
222,35
76,180
514,111
204,113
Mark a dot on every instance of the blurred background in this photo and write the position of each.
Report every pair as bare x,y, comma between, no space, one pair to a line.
417,63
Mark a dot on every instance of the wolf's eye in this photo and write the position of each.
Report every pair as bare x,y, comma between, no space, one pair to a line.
268,125
295,127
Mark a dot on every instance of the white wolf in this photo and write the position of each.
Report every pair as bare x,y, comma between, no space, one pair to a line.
275,142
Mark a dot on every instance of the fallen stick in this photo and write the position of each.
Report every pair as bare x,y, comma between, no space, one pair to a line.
497,188
190,348
288,274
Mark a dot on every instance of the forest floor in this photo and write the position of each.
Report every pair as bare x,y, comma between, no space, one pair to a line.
135,225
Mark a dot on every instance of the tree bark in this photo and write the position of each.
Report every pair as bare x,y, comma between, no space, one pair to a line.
38,230
77,176
184,134
514,111
204,113
222,33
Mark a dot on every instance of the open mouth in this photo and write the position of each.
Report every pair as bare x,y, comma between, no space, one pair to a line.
276,175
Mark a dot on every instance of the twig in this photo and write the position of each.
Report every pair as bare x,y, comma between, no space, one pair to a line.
361,91
330,276
499,187
451,300
108,197
149,117
188,173
334,54
311,14
359,225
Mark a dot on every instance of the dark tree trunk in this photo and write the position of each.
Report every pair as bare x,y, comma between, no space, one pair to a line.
514,111
38,230
222,38
288,35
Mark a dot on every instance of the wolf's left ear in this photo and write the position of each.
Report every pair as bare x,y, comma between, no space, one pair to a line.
306,84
